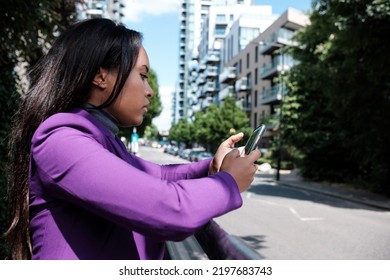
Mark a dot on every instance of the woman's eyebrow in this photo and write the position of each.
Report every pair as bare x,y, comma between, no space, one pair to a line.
146,67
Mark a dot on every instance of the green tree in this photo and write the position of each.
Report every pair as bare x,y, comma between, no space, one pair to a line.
226,120
26,28
340,95
201,128
182,132
151,132
213,126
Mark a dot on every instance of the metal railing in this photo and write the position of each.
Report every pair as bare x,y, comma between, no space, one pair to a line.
211,242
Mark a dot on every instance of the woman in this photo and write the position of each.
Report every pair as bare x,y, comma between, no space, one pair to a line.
75,192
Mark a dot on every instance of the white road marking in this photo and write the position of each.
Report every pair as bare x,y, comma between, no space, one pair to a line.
291,209
303,219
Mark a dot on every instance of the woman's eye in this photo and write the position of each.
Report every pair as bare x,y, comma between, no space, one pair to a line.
144,76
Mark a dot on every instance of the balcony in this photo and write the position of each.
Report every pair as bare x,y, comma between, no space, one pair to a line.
278,39
269,48
200,94
243,84
212,58
211,72
225,92
206,102
196,108
201,67
228,75
273,69
247,107
269,72
200,80
210,87
273,95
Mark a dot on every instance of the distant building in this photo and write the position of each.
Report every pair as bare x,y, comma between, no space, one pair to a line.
112,9
253,76
203,27
225,33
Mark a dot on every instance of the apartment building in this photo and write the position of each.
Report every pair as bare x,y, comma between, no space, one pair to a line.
193,13
112,9
254,75
240,24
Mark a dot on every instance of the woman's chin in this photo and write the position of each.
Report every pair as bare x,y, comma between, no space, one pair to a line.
132,124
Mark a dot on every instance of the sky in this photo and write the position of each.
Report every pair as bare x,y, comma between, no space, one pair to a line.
158,21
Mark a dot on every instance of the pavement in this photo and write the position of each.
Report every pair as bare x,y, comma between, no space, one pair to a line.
294,180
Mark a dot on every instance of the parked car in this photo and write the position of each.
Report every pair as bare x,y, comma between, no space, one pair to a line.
163,144
194,152
184,153
172,150
203,155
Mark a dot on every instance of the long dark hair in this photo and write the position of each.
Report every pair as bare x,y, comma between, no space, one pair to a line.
59,82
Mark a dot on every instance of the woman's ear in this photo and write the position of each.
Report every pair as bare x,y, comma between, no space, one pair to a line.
100,78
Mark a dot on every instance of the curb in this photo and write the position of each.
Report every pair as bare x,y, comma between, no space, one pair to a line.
368,199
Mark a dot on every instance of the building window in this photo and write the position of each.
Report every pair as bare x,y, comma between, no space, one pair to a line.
257,54
240,66
249,79
246,35
255,120
248,104
256,76
220,18
247,60
256,98
220,30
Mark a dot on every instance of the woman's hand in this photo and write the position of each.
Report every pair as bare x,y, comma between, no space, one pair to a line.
242,168
223,149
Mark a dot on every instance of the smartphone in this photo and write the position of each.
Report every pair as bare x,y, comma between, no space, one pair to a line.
254,140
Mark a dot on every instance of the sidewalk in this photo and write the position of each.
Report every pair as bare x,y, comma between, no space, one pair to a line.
292,179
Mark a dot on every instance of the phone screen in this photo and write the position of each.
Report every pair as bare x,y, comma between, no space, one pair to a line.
254,140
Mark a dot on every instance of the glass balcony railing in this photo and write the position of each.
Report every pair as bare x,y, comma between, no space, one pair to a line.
228,75
211,71
243,84
210,86
212,57
273,94
225,92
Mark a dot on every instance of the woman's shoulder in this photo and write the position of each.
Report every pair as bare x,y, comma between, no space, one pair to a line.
76,120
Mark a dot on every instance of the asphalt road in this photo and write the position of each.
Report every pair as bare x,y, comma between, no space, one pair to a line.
283,223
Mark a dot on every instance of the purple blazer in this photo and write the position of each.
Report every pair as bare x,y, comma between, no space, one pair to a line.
91,199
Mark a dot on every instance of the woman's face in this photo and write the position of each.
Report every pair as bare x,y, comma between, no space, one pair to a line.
134,99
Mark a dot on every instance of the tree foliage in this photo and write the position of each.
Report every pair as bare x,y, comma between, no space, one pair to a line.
213,126
26,29
338,109
182,132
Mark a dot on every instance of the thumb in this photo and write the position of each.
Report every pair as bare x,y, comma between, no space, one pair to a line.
234,139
